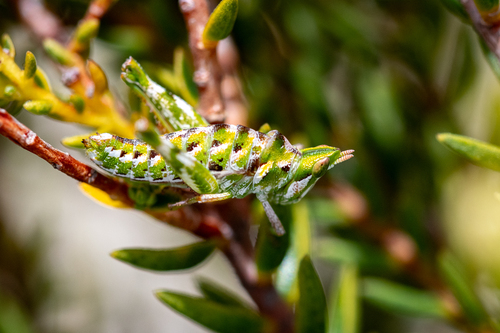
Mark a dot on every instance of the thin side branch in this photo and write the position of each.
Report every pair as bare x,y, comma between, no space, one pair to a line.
40,20
490,32
207,75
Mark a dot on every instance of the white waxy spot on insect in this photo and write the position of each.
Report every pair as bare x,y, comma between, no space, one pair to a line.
186,160
140,159
105,136
108,149
297,187
126,158
115,153
219,149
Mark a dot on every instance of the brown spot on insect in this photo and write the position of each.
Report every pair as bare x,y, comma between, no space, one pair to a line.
153,154
220,159
192,146
216,143
123,153
164,169
137,154
286,168
214,166
237,147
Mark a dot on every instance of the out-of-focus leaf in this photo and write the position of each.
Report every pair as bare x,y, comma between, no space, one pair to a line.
460,284
380,110
270,248
12,317
183,257
456,8
311,307
344,313
217,293
29,65
184,78
8,45
221,22
491,58
38,107
300,244
76,142
215,316
401,299
101,196
476,151
487,6
58,52
366,257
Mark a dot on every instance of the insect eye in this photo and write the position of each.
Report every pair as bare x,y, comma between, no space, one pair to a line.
320,167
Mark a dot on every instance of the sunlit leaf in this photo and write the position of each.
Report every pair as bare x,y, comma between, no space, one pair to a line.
220,22
311,307
101,196
219,294
402,299
215,316
476,151
344,313
183,257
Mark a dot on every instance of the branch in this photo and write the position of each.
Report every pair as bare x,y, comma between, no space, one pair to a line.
207,75
490,32
41,21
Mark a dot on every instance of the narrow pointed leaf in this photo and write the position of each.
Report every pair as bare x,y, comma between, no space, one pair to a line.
98,76
476,151
184,78
300,245
58,52
217,293
76,142
311,307
344,314
401,299
173,112
38,107
8,45
270,248
101,197
220,22
29,65
183,257
460,284
41,80
215,316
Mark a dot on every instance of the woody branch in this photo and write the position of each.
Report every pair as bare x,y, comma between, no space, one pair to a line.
207,75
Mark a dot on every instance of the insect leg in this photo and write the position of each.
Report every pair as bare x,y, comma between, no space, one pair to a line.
273,218
204,198
188,168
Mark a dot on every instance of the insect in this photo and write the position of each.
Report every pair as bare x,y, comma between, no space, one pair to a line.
220,162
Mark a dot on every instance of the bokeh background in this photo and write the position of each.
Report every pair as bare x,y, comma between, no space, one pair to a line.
381,77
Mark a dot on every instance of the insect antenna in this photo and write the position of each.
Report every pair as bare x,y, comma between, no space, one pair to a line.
344,156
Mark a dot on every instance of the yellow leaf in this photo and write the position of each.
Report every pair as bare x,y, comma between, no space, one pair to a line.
101,196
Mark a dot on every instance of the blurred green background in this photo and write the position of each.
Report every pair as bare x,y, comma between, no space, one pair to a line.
381,77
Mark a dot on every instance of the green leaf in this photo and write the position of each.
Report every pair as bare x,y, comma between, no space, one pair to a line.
13,318
270,248
491,58
344,314
38,107
184,77
58,52
457,9
460,284
8,45
300,244
311,307
486,6
215,316
217,293
221,22
478,152
29,65
166,260
401,299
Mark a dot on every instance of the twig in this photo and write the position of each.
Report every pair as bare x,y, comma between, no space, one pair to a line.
41,21
490,32
207,75
27,139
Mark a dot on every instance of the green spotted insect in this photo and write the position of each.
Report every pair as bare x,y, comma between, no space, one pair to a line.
218,162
